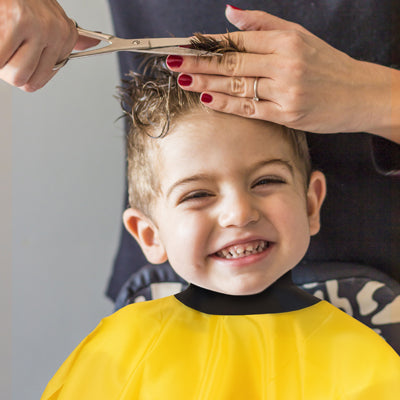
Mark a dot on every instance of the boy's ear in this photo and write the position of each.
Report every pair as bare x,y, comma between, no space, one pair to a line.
315,197
146,234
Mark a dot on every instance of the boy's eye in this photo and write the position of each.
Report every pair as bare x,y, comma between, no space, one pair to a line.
195,196
269,180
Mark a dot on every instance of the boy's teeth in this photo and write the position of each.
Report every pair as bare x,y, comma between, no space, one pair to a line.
239,250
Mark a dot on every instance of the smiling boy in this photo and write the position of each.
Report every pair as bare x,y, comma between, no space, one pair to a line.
231,203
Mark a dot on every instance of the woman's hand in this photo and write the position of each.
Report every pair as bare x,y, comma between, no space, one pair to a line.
303,82
34,36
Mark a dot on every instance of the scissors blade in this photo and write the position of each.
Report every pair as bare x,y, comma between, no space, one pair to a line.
166,46
149,43
176,50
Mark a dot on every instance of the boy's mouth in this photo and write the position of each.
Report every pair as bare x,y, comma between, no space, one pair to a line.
243,250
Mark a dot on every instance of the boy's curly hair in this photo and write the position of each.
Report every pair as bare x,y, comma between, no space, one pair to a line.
153,102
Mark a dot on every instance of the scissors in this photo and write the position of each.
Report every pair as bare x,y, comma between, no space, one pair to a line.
151,45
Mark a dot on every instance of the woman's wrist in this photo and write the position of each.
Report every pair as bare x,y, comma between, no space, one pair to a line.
380,101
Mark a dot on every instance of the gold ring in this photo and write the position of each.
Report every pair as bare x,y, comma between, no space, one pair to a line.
255,98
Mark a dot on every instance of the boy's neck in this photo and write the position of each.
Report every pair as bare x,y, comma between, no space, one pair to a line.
281,296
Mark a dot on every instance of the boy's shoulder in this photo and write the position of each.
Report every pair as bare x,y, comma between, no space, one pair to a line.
355,355
338,336
340,326
118,343
139,316
132,324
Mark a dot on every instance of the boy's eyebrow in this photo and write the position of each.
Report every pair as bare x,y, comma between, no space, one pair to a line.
193,178
280,161
204,177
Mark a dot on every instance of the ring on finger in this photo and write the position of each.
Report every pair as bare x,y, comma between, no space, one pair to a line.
255,98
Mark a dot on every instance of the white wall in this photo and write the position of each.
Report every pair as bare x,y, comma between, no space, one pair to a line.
67,194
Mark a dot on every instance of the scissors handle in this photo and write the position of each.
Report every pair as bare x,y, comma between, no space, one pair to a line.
102,37
94,34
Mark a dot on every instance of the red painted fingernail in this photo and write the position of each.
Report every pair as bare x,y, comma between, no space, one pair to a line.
235,8
174,61
185,80
206,98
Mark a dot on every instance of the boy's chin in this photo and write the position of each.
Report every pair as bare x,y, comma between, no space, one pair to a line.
248,292
248,287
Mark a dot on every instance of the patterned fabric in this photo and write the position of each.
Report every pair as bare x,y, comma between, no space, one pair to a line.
366,294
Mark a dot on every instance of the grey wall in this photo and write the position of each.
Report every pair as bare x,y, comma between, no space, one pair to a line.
5,241
67,195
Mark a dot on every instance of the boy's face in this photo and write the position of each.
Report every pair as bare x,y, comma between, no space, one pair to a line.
233,215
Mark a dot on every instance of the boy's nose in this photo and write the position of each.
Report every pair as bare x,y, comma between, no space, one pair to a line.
238,211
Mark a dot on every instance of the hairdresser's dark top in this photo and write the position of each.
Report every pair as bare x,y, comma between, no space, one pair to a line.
361,216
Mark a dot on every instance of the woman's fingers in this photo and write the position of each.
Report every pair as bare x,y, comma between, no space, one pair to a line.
43,71
237,95
10,43
283,114
254,20
237,86
246,107
84,42
31,66
230,64
21,66
266,54
35,35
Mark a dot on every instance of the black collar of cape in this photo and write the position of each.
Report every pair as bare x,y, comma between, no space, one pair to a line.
281,296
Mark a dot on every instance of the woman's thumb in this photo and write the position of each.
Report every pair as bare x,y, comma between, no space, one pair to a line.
252,20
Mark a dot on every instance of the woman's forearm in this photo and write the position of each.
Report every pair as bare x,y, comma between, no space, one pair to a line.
381,102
